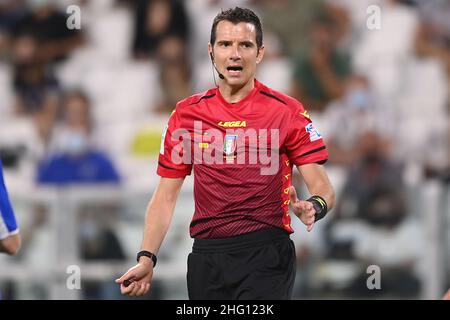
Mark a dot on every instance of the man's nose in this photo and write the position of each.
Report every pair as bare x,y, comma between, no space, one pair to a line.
235,54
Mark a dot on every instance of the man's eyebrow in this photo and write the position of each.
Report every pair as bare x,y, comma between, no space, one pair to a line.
248,43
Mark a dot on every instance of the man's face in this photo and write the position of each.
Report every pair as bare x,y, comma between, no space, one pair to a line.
235,52
77,114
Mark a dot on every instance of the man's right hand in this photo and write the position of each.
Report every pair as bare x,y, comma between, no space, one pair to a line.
303,209
140,277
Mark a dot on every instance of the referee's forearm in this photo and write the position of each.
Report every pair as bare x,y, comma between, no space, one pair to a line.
157,221
318,182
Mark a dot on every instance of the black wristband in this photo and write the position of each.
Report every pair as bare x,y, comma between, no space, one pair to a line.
147,254
320,205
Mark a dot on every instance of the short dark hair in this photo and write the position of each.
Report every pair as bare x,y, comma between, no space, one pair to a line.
236,15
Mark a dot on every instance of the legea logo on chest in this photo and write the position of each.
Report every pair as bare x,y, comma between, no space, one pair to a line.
237,144
233,124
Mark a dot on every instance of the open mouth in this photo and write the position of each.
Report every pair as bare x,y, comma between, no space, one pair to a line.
234,70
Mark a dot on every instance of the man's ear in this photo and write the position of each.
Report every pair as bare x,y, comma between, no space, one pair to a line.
260,54
210,50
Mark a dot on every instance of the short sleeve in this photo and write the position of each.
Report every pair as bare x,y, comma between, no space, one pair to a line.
171,163
304,143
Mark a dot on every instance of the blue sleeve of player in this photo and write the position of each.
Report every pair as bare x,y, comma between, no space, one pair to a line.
6,211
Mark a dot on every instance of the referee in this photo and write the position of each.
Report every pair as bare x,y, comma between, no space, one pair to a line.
241,224
9,232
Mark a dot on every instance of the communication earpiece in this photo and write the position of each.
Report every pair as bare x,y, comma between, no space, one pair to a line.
214,65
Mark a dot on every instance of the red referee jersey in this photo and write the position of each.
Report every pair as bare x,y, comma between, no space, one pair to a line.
242,155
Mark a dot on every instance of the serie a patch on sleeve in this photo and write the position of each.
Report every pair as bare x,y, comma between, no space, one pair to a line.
313,132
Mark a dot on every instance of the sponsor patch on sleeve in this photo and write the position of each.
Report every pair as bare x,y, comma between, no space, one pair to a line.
313,133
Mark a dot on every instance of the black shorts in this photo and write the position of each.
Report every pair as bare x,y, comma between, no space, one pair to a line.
256,265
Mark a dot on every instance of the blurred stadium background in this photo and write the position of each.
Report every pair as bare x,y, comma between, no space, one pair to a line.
82,111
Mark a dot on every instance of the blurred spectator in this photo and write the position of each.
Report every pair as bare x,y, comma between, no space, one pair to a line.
430,42
48,27
35,85
75,159
372,226
290,19
385,207
36,88
342,19
351,17
174,73
156,20
345,120
11,11
435,13
99,242
319,72
372,169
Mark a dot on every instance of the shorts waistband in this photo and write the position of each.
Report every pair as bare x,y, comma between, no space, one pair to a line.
243,241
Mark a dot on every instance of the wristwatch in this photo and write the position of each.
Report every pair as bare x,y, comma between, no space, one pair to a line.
320,206
147,254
